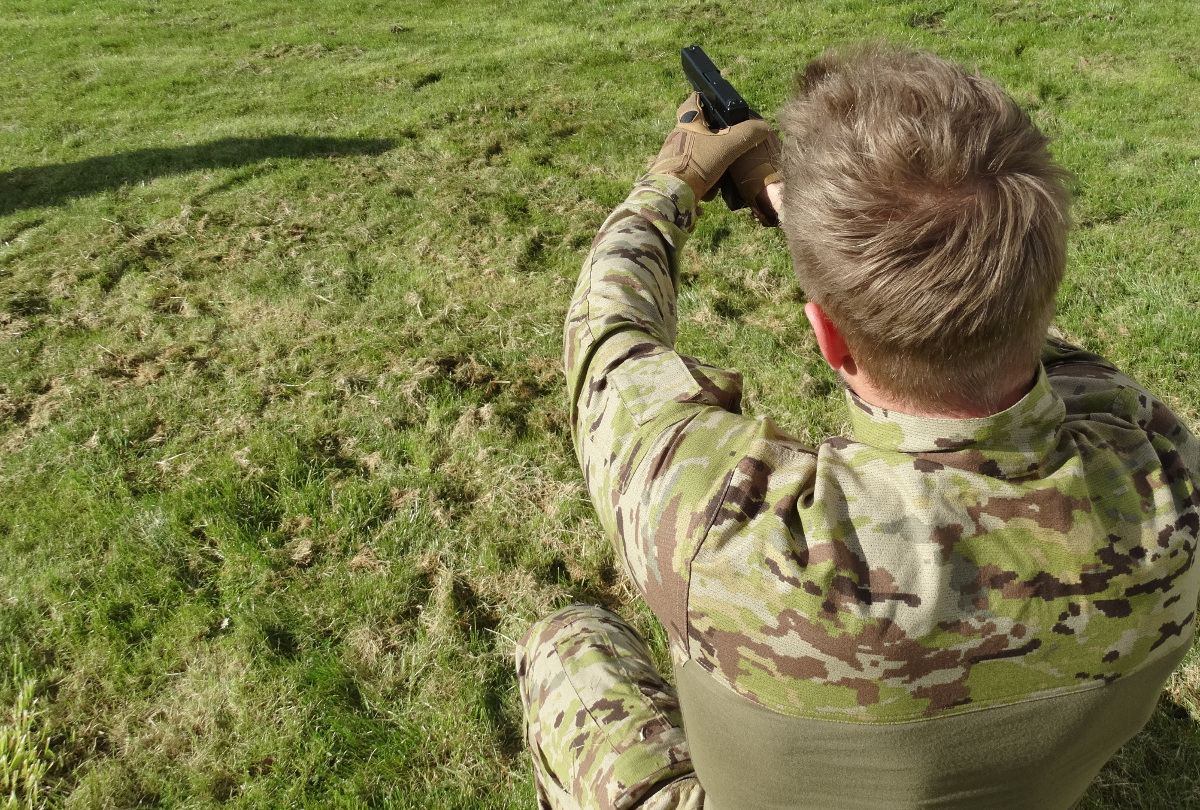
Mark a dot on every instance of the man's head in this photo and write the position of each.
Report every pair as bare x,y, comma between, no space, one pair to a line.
927,219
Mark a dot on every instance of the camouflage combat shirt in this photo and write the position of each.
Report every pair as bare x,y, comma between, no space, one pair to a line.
926,567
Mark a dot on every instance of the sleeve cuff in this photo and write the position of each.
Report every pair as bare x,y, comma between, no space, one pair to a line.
666,200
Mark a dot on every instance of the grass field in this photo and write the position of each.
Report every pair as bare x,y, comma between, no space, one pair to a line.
284,454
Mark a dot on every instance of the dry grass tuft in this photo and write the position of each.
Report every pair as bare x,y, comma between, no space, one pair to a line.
365,560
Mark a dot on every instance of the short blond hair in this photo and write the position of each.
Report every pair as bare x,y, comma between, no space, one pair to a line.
927,218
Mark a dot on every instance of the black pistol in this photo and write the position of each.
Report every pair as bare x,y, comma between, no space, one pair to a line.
721,104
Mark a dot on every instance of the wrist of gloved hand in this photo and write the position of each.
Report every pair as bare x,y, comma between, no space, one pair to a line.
698,155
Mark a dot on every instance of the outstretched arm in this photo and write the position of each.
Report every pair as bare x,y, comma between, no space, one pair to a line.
658,434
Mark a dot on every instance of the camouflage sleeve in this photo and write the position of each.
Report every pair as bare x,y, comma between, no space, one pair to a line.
658,434
629,279
1093,388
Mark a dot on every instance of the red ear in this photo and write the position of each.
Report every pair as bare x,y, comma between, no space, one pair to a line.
829,339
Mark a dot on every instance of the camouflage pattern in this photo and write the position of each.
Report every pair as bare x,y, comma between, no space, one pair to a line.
602,725
922,568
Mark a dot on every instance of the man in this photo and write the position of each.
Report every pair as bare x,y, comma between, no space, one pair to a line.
971,603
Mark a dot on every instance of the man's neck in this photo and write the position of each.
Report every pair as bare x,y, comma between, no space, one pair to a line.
868,392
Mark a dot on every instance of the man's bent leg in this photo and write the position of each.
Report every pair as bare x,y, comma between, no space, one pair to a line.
603,726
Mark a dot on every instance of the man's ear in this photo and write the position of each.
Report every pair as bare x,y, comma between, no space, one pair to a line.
829,339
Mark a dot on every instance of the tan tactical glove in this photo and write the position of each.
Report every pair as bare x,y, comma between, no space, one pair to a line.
698,156
753,172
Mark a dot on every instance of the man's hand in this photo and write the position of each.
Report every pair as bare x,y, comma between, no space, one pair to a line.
758,180
699,156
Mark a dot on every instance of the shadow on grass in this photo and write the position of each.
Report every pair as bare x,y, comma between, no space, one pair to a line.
52,185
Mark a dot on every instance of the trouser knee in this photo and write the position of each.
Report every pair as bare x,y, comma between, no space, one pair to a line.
603,726
572,621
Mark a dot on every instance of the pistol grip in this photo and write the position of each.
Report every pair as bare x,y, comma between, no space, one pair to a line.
729,193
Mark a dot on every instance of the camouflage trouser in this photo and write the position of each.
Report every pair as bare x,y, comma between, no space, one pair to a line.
603,726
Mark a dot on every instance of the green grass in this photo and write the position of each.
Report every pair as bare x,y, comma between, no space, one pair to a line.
284,455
